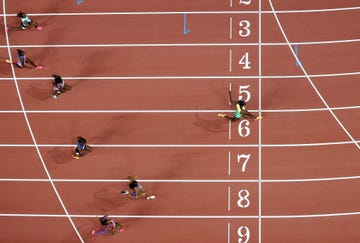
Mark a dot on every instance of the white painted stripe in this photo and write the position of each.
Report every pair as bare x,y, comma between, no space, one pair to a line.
188,12
230,60
227,44
309,79
104,78
185,145
176,111
31,132
229,163
184,216
229,198
230,31
259,129
228,232
325,179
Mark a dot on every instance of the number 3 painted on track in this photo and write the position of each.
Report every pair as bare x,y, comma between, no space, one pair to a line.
245,28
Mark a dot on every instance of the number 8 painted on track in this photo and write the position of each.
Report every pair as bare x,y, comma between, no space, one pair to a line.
243,198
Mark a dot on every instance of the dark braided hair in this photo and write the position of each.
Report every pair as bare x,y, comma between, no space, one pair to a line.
242,103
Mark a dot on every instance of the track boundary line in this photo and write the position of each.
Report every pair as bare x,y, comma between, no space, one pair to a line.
260,124
188,12
185,145
183,180
182,44
104,78
185,216
309,79
177,111
31,132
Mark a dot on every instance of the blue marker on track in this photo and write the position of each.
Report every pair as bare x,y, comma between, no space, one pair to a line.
80,1
186,31
297,55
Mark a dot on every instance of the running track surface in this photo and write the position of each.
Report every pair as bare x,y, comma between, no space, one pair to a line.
146,93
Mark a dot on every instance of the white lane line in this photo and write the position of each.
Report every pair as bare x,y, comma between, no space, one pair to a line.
230,31
176,111
229,163
325,179
229,198
31,131
309,79
184,216
188,12
228,232
105,78
182,44
259,129
230,60
185,145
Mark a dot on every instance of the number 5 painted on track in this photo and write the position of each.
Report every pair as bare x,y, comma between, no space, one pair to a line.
245,2
243,90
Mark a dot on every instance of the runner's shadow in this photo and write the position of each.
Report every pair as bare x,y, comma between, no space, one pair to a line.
106,199
212,125
59,157
38,92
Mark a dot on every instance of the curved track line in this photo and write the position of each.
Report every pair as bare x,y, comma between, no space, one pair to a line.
184,44
31,132
185,145
309,79
185,216
104,78
188,12
174,111
185,180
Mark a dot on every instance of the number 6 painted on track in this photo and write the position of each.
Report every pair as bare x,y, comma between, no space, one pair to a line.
243,128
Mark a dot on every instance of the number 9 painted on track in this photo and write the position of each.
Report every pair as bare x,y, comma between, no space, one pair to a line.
243,237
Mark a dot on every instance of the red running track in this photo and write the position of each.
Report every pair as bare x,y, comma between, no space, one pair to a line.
146,97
